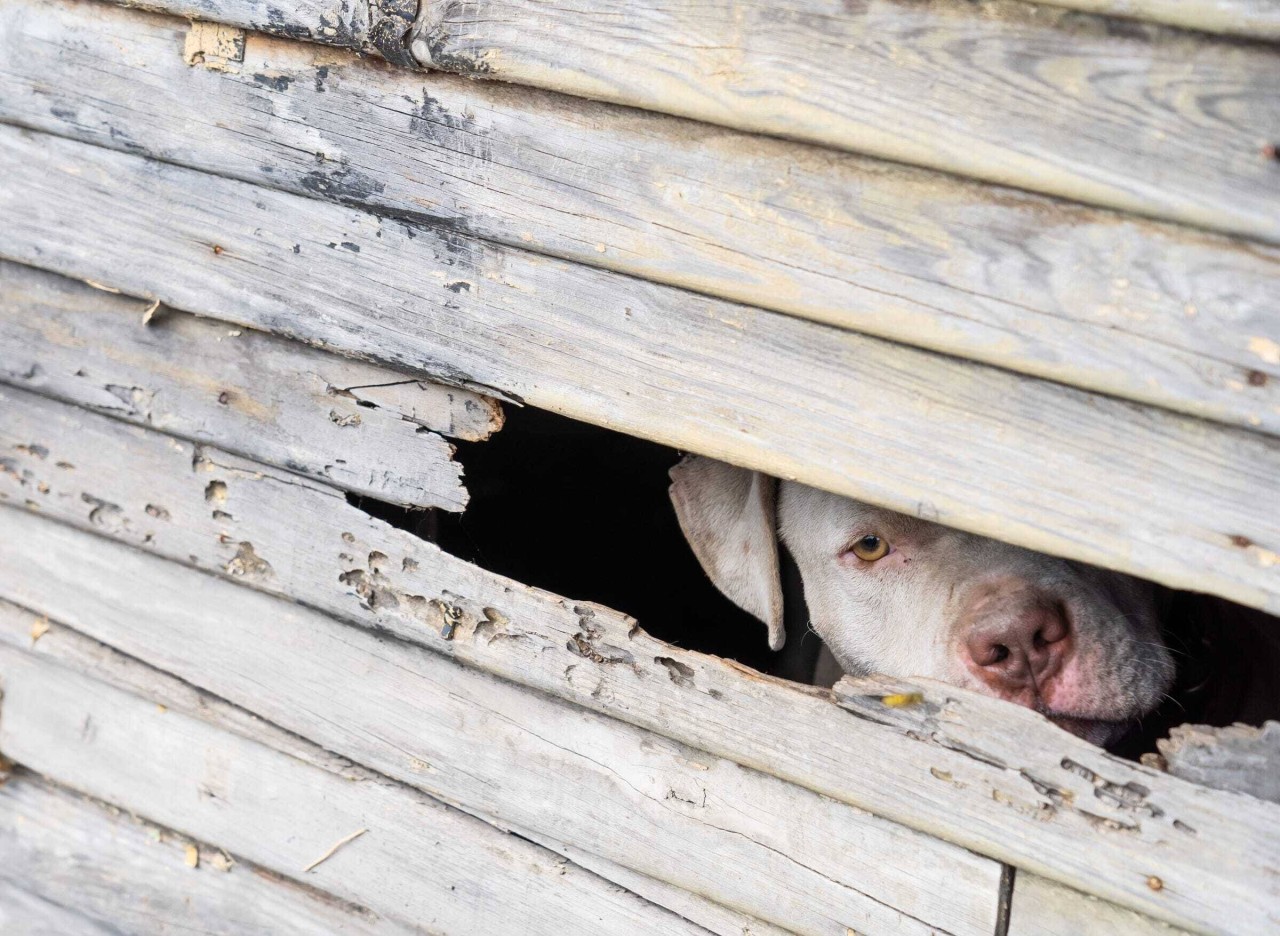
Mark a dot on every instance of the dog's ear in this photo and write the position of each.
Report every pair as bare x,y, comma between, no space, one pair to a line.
729,517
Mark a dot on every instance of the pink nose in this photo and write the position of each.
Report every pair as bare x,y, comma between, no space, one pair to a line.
1021,645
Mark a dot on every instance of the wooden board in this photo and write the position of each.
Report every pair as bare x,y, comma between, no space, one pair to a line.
1240,757
1042,908
801,861
1023,460
124,875
418,862
358,427
1131,308
23,913
1248,19
603,662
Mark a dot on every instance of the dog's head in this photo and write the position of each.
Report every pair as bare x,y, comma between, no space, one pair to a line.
895,595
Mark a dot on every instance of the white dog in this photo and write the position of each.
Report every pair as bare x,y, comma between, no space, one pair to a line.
899,596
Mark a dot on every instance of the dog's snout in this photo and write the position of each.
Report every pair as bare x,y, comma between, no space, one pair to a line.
1016,639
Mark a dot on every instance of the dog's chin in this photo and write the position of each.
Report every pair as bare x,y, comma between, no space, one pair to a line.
1094,730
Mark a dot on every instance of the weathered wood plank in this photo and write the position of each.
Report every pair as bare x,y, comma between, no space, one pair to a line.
1027,461
23,913
123,875
1239,757
88,657
1158,122
801,861
1248,19
358,427
1042,908
1144,119
1131,308
419,862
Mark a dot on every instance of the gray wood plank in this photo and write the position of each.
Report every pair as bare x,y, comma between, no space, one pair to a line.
1110,112
782,853
359,427
126,876
1248,19
75,651
1239,757
1042,908
1125,306
420,863
604,662
23,913
1024,460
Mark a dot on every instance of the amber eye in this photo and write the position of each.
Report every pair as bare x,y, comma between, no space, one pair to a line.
870,548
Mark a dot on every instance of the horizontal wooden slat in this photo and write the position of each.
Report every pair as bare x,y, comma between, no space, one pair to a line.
1239,757
23,913
359,427
1248,19
336,558
796,859
419,862
128,876
1027,461
1042,908
1131,308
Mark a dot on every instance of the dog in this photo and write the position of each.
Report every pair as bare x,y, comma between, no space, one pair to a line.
896,595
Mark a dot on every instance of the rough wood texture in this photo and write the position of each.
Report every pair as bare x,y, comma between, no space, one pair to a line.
23,913
1027,461
1248,19
420,863
603,662
1132,308
1154,121
1042,908
801,861
126,876
88,657
358,427
1240,757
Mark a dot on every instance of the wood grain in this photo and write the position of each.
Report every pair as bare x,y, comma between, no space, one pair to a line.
1027,461
126,876
1239,757
1248,19
358,427
421,864
801,861
23,913
1042,908
1124,306
604,662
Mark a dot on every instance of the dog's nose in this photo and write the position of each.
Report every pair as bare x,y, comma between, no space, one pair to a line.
1022,647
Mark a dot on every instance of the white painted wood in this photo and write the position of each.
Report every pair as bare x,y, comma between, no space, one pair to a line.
198,629
782,853
1248,19
279,401
1086,297
1244,758
1043,908
126,876
322,550
1154,121
420,862
22,913
1023,460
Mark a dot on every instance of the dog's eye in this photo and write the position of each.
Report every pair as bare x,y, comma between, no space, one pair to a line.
870,548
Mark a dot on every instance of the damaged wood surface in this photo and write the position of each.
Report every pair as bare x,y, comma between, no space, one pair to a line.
88,657
120,875
319,548
1027,461
421,865
1125,306
1243,758
1155,121
1248,19
27,914
1043,908
356,426
783,853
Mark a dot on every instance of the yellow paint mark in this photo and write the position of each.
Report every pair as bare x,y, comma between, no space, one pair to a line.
191,856
1266,349
903,699
39,629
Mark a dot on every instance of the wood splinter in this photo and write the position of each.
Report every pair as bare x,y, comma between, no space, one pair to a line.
333,850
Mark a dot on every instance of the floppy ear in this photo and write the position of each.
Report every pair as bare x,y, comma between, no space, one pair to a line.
729,517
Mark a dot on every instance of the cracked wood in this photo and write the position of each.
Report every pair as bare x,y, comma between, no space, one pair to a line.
423,865
1086,297
356,426
359,569
802,861
1024,460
